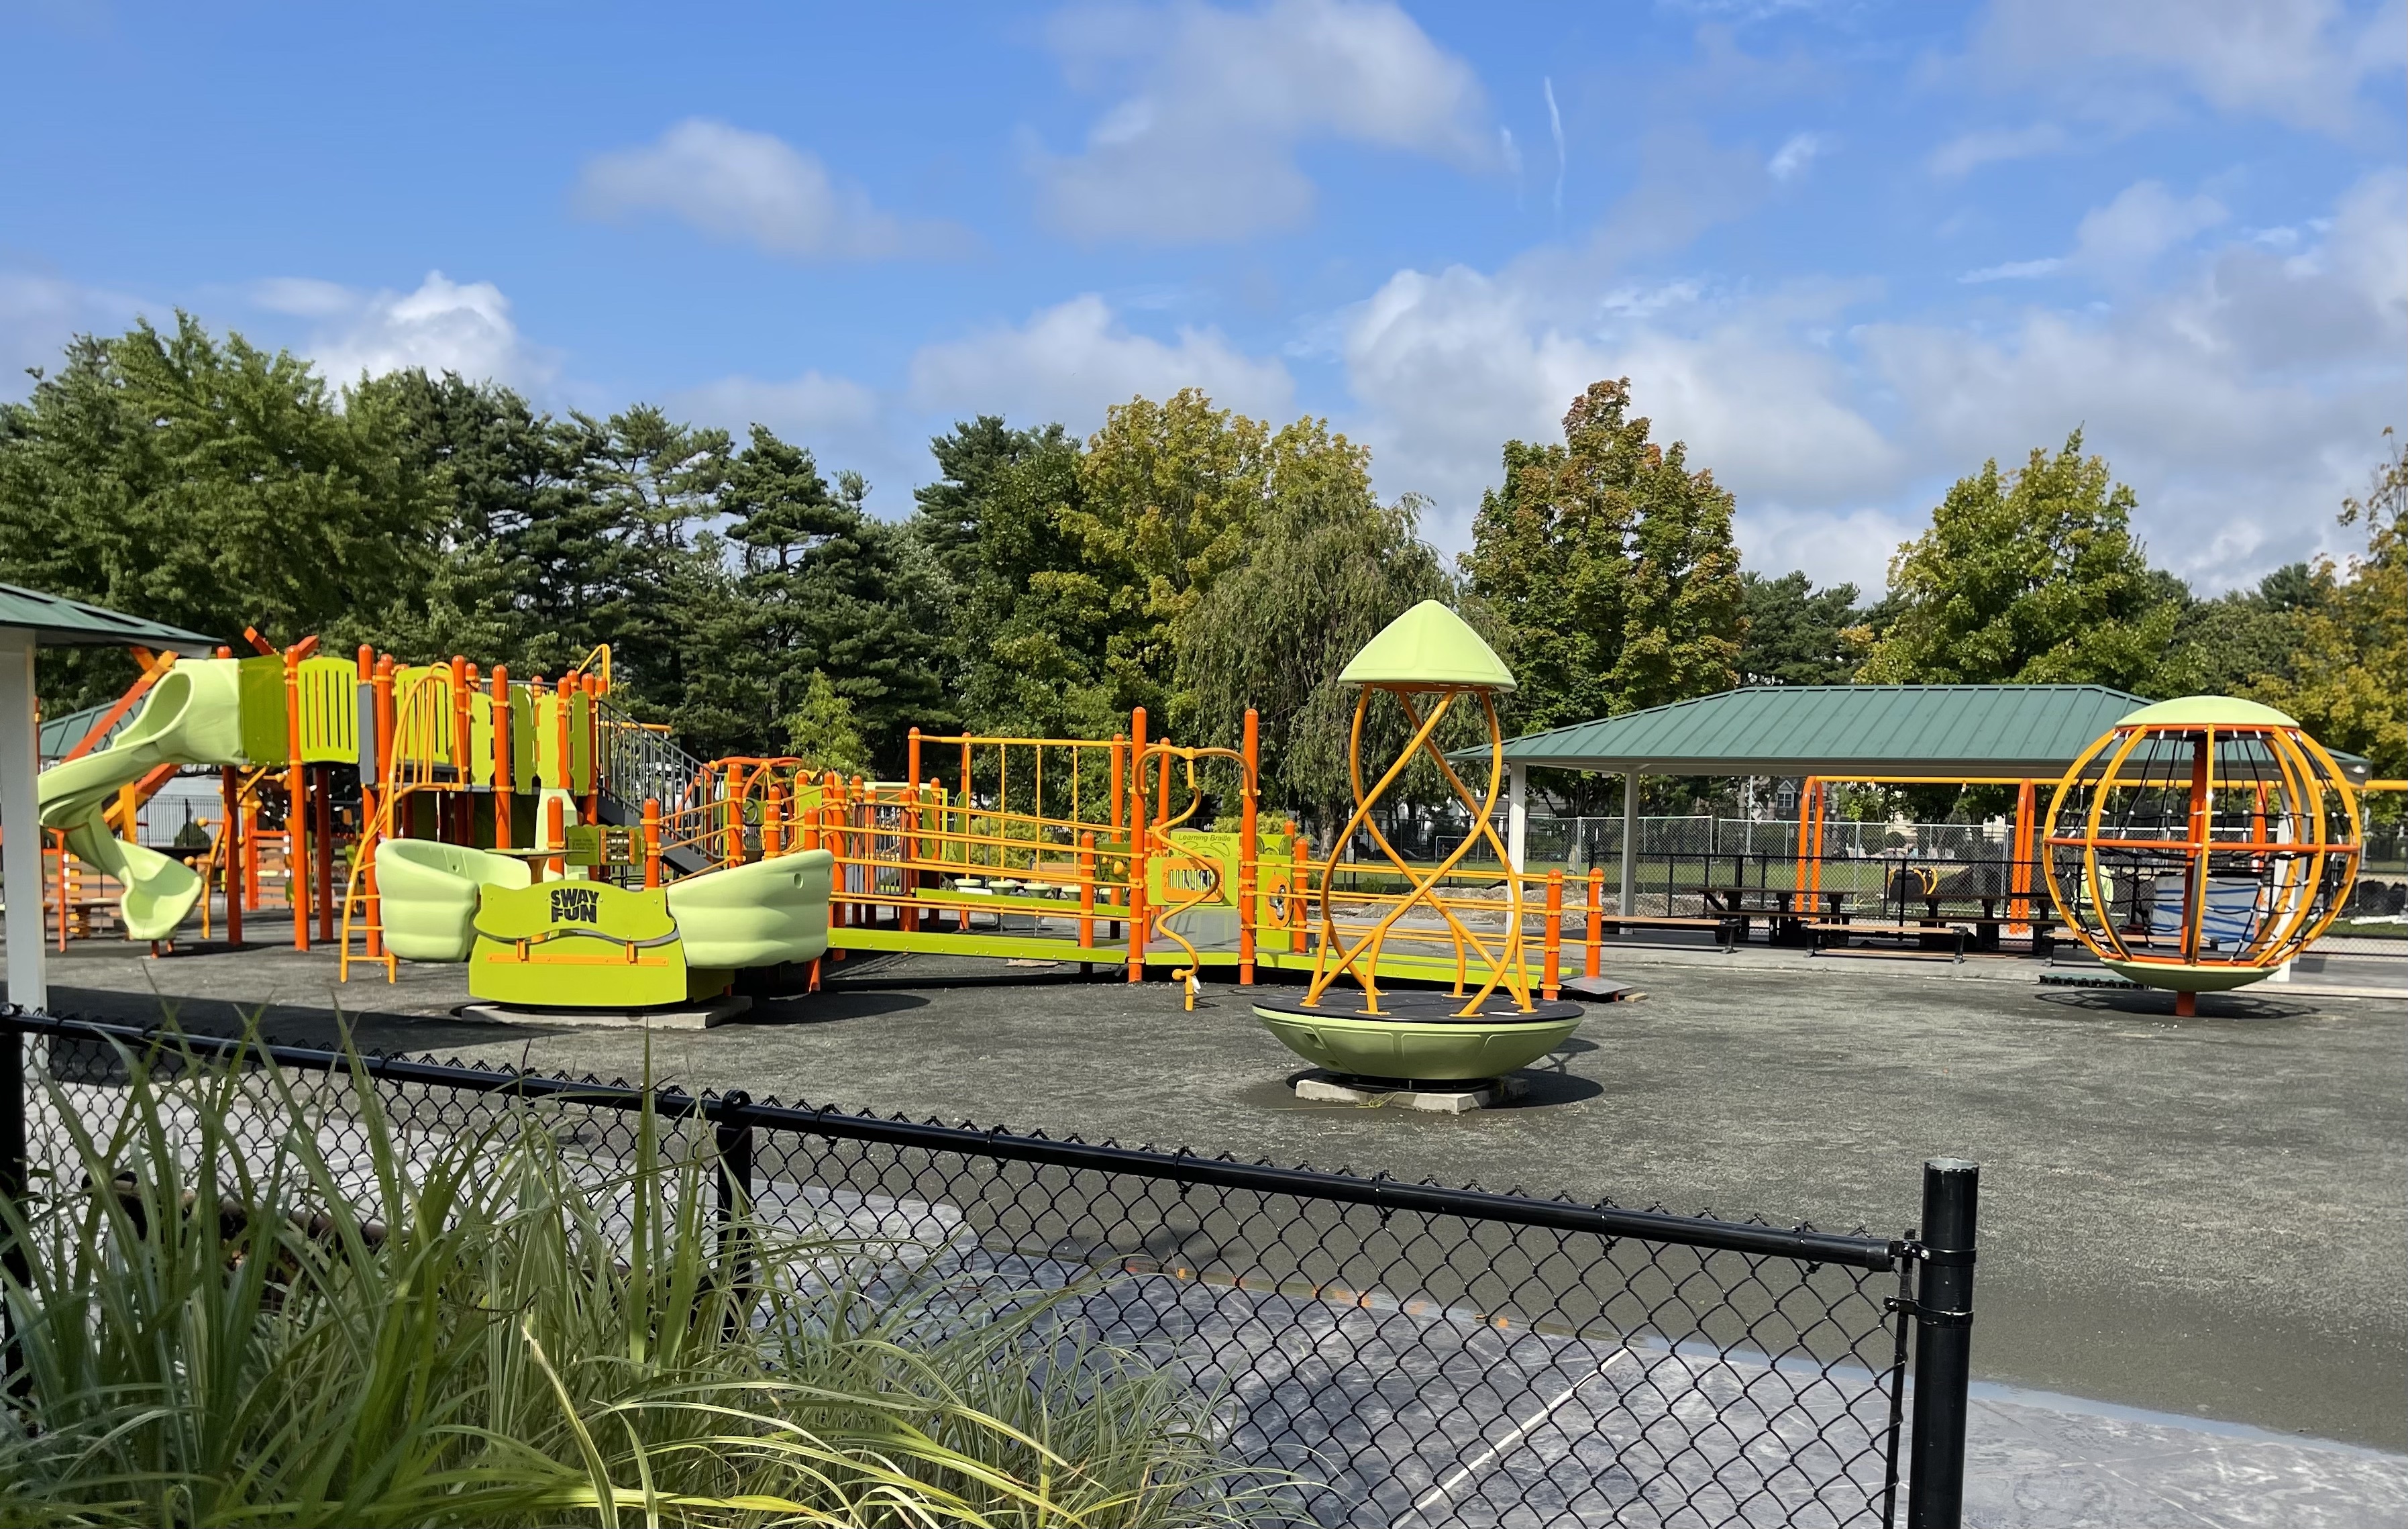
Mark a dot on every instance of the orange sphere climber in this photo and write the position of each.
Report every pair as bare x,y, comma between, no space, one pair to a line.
2201,844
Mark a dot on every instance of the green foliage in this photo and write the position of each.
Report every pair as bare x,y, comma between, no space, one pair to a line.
1797,635
208,485
483,1326
823,730
2031,578
1610,568
2348,682
1327,569
1077,577
1027,624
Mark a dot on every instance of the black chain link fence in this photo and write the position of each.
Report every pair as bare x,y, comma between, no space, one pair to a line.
1414,1354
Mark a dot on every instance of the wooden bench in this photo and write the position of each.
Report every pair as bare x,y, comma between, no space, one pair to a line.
1919,932
1729,928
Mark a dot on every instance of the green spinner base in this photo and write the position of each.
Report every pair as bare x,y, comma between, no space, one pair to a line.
1416,1036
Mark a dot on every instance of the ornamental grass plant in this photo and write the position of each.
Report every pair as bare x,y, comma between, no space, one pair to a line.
236,1302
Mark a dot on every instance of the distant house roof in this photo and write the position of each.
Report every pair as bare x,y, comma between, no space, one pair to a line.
1837,730
57,622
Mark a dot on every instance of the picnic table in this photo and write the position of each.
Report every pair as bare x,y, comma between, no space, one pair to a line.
1780,907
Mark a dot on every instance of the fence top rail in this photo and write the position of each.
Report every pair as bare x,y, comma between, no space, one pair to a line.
736,1108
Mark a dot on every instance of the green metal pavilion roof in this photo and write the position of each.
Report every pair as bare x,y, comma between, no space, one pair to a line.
57,622
1840,730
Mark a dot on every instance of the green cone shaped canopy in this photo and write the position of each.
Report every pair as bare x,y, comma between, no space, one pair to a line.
1428,646
2207,711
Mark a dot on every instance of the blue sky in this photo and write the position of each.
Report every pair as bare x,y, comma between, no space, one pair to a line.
1846,250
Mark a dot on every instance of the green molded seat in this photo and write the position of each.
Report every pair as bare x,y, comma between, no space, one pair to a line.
428,894
759,915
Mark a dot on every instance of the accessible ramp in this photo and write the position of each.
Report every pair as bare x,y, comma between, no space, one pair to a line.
193,715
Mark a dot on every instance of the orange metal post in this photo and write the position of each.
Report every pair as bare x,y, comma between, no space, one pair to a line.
652,842
504,808
915,806
1248,872
460,733
323,825
297,805
2194,870
2026,849
1137,845
1551,971
1593,940
555,835
1120,788
862,843
593,686
1086,890
232,851
1299,888
966,804
364,842
251,853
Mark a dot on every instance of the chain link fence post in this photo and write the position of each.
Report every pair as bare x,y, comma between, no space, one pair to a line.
13,1185
1944,1344
732,1130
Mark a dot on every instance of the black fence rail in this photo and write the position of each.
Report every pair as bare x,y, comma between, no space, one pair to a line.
1414,1354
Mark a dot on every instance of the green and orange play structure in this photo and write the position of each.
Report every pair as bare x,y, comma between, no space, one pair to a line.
2201,844
431,812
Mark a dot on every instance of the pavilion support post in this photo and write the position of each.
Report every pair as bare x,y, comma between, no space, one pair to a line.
1517,815
1629,844
21,835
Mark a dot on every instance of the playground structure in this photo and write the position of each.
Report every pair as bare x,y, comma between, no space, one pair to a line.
2201,844
1135,852
1425,661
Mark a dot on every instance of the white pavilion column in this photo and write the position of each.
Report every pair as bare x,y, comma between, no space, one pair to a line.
21,856
1517,815
1629,844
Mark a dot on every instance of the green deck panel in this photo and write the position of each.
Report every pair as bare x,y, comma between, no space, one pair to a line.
1428,646
1163,953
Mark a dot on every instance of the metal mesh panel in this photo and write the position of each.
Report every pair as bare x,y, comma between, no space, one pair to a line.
1403,1354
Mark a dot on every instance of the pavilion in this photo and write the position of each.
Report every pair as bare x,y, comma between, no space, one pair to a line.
2021,735
29,621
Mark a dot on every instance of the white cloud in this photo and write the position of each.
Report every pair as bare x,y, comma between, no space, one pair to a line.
756,189
1968,151
2300,61
2014,270
2240,398
2143,222
303,297
800,409
1072,360
40,313
443,326
1447,367
1202,145
1801,149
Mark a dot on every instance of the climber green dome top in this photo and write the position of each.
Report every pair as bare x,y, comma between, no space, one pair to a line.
2207,711
1428,646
